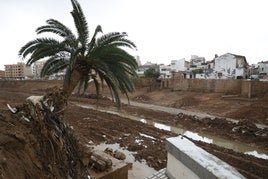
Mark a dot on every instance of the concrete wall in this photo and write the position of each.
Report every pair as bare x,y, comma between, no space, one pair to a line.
243,87
27,84
207,85
186,160
176,169
254,88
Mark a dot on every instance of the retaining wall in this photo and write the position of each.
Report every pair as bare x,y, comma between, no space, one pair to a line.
186,160
208,85
254,88
243,87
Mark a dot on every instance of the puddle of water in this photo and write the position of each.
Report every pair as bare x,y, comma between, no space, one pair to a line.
139,169
162,126
196,136
143,121
150,137
236,146
255,153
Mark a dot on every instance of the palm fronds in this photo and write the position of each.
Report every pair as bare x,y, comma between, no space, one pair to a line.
78,55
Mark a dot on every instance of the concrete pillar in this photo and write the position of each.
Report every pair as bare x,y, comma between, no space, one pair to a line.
249,89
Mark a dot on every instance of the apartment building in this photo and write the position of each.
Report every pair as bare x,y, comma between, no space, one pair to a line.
37,68
17,71
263,67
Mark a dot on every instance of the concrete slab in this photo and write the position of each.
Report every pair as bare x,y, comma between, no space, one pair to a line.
186,160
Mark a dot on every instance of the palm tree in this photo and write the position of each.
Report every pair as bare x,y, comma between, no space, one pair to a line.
103,56
80,56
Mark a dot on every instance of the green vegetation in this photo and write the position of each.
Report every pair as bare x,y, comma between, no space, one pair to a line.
197,71
151,73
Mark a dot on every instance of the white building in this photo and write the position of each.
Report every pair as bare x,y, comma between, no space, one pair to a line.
138,60
178,65
197,62
263,67
165,71
230,66
175,66
27,72
37,68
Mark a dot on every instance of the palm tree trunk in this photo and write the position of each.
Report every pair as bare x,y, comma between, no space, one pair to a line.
68,87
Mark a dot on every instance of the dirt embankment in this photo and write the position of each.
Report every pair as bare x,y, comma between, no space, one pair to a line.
232,106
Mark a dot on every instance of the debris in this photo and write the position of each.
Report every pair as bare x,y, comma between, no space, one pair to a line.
116,154
99,161
262,132
47,145
25,118
35,100
180,115
13,110
119,155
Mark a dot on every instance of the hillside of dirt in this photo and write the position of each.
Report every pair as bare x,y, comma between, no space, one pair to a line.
96,127
218,104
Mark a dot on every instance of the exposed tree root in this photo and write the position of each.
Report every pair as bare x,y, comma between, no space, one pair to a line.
36,131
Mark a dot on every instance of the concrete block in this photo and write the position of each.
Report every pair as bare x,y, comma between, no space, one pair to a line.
186,160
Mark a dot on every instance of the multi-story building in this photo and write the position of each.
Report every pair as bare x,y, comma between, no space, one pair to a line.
14,71
37,68
178,65
263,67
165,71
17,71
197,62
231,66
138,60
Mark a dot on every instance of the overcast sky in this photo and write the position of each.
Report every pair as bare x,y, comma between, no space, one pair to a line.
163,30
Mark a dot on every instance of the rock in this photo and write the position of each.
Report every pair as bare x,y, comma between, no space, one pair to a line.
109,151
116,154
180,115
119,155
99,161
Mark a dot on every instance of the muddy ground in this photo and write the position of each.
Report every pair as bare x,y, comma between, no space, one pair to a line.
95,127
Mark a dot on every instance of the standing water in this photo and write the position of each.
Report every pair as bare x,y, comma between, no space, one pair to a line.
234,145
138,170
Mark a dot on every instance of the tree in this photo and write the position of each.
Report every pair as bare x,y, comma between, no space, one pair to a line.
151,73
197,71
83,58
80,56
